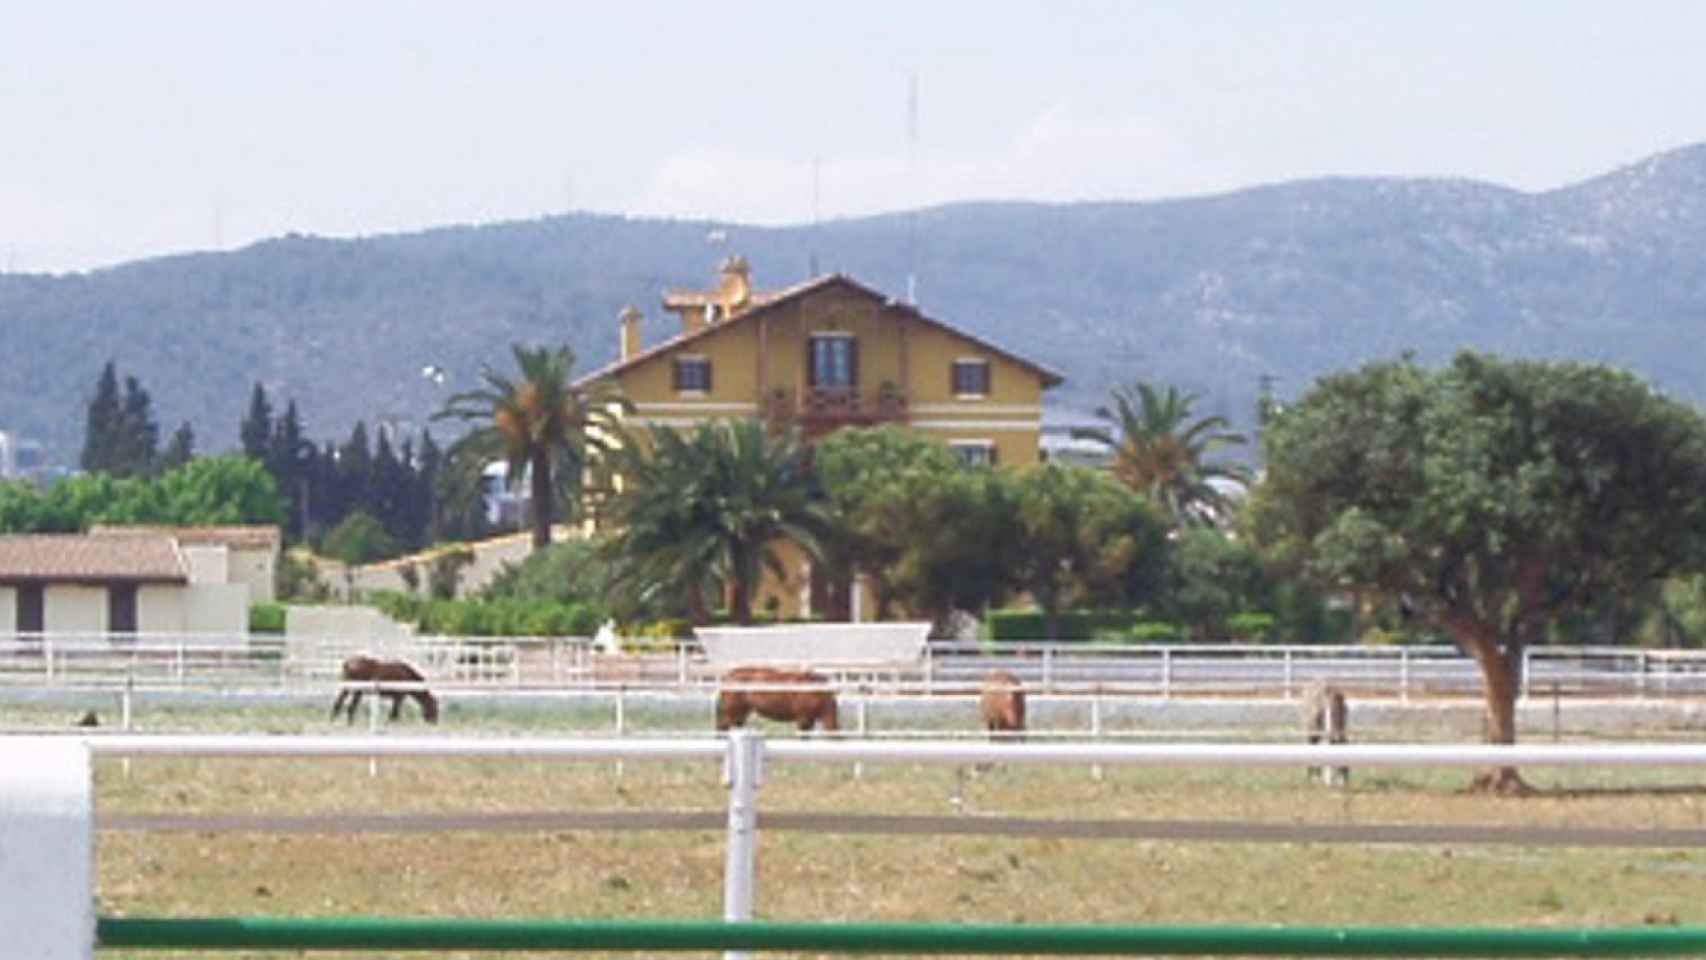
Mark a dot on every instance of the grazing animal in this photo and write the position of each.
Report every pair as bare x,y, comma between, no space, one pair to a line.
365,669
804,707
1324,716
1003,706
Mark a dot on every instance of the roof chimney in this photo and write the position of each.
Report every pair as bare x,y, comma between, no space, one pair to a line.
630,318
735,289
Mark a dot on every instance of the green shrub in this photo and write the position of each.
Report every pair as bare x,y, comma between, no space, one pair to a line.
360,538
1251,627
401,607
266,618
1154,631
582,619
298,578
1030,626
491,618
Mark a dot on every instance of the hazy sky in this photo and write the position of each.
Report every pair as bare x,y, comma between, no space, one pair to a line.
134,129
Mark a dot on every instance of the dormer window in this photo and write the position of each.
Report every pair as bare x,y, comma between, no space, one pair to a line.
970,378
693,375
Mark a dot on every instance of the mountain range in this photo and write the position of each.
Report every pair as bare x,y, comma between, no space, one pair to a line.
1219,294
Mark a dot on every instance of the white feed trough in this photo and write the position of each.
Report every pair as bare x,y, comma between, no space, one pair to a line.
824,646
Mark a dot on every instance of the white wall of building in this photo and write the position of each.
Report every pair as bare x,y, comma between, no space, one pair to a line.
208,563
258,569
73,608
8,609
160,608
218,608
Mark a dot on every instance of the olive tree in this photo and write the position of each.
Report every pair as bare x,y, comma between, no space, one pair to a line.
1489,498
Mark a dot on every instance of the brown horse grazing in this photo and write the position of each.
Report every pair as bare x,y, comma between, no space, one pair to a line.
1003,706
364,669
1325,714
804,707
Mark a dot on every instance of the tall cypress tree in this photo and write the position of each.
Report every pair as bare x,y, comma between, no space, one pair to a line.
287,458
425,493
325,494
256,429
181,449
101,429
138,438
355,473
389,487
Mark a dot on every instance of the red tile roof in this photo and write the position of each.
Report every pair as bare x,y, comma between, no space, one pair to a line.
139,557
262,536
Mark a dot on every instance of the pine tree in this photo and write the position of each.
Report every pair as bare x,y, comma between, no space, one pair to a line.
181,449
102,425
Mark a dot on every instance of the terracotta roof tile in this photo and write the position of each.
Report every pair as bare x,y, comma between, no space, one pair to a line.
252,535
139,557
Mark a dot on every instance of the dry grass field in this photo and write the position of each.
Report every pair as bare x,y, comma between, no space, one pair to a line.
815,876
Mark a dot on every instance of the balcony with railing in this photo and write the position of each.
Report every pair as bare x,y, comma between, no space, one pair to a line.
819,409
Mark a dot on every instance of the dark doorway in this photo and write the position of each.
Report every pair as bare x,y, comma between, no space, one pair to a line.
30,608
121,608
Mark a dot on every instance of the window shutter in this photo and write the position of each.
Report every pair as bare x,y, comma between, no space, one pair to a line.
675,375
707,364
853,362
811,361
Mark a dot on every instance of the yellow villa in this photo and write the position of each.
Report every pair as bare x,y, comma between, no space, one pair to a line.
825,354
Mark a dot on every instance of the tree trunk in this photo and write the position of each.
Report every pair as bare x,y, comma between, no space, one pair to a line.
540,493
740,603
1500,677
696,611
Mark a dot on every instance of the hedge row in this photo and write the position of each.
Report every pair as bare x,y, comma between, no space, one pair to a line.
491,618
1117,626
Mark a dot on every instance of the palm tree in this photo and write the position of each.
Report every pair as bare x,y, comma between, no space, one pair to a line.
544,427
1160,452
708,509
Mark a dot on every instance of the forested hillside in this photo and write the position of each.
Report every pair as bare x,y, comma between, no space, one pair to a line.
1213,293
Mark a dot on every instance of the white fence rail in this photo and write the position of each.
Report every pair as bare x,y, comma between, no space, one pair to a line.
45,787
226,662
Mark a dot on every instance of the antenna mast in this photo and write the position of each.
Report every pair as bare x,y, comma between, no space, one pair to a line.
912,174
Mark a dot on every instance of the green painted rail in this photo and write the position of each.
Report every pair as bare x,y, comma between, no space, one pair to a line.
351,933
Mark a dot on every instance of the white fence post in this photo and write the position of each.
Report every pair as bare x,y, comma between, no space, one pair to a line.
1403,675
743,769
1096,727
621,719
373,726
47,848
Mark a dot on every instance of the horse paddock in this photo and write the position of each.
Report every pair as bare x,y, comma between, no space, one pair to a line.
519,871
